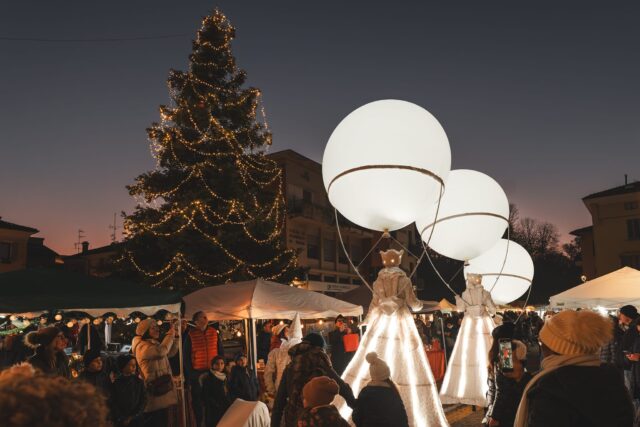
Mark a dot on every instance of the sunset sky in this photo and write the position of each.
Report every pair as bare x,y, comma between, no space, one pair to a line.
543,97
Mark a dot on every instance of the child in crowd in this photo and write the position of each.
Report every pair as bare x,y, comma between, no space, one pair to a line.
243,383
94,372
215,392
379,403
317,395
129,396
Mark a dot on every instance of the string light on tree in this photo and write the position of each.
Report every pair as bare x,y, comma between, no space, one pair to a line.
213,209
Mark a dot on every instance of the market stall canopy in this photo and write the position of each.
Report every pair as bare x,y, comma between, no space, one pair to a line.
37,290
612,290
260,299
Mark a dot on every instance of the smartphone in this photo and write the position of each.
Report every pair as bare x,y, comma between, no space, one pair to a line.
505,347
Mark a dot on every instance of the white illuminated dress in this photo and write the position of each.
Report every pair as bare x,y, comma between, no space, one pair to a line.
466,378
391,332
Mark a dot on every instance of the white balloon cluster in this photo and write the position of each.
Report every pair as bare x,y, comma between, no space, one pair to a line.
387,164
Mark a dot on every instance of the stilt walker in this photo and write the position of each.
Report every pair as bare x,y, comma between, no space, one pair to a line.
465,381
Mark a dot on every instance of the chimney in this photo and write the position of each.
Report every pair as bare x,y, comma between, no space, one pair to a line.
85,247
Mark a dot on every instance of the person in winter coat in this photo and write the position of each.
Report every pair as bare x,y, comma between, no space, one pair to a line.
243,383
379,403
215,392
128,397
279,357
317,395
94,372
339,358
627,315
573,388
505,388
49,344
152,357
308,360
263,340
201,344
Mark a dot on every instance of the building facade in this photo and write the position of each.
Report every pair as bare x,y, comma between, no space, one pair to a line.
18,250
311,231
613,239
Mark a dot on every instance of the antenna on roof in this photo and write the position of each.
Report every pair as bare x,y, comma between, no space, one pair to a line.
114,227
78,244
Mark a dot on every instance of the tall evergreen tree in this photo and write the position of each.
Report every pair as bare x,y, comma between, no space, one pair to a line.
213,208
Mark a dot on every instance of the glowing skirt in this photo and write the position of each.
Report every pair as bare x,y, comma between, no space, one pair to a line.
466,378
396,340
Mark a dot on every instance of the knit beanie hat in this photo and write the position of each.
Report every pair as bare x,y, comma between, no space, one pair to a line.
90,356
629,311
378,368
144,326
43,337
122,360
314,339
319,391
576,332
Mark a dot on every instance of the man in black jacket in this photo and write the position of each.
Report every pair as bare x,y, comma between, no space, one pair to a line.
339,358
627,315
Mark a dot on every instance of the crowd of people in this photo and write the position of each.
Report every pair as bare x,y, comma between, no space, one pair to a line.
589,375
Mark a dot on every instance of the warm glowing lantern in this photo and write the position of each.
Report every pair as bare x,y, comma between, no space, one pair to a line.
384,162
505,284
473,216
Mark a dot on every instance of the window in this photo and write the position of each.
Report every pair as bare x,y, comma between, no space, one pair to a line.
313,277
330,279
307,196
629,206
344,280
633,229
5,252
313,247
356,254
342,258
632,260
357,282
329,250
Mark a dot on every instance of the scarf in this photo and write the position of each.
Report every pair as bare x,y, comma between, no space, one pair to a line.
219,375
550,364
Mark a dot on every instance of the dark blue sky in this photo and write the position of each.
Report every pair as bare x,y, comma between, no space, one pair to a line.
544,97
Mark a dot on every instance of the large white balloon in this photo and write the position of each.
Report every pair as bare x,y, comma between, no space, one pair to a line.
384,162
516,276
473,216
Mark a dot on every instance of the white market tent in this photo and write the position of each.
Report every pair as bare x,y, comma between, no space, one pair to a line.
612,290
261,299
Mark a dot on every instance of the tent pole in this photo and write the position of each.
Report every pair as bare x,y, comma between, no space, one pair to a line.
182,391
254,346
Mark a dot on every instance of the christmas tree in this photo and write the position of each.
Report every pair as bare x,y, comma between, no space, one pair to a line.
213,208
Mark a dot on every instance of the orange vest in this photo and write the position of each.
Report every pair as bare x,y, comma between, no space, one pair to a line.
204,347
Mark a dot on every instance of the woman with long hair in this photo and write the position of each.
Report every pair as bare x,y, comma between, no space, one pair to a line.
505,388
379,403
49,357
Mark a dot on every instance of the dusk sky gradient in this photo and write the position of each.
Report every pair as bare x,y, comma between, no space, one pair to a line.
542,96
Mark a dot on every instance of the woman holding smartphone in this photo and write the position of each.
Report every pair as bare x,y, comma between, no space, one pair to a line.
507,376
